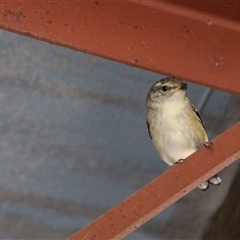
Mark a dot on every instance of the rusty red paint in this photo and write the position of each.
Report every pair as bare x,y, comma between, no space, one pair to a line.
198,42
155,196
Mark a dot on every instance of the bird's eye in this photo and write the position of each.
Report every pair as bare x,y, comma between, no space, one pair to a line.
164,88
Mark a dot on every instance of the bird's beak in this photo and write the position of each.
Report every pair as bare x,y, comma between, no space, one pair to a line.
183,86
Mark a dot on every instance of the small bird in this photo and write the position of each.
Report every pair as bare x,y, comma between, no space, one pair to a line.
174,123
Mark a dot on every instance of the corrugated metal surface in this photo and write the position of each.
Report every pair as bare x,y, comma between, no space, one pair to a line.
74,143
165,190
196,42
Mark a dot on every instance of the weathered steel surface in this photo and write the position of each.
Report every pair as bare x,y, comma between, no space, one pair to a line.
165,189
195,40
225,223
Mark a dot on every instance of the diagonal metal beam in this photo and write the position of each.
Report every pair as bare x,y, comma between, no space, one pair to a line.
153,198
195,40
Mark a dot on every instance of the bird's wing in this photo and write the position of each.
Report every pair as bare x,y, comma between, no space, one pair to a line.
197,114
149,130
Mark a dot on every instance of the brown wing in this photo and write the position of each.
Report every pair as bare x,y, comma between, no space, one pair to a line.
149,130
197,114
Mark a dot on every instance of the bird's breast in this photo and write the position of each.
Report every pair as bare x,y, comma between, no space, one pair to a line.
176,132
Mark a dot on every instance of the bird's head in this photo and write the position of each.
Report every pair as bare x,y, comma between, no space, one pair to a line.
170,88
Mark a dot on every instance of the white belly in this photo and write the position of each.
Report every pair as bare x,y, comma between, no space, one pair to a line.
174,138
172,147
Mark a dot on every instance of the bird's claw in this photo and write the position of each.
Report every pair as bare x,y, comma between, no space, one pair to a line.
179,161
208,145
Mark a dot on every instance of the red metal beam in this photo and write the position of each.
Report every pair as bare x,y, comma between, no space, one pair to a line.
165,189
195,40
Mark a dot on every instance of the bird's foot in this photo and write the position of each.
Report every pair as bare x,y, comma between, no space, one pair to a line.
208,145
179,161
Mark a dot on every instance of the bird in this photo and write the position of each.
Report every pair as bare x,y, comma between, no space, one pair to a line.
174,123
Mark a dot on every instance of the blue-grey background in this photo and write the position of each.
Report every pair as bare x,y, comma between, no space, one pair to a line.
74,143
